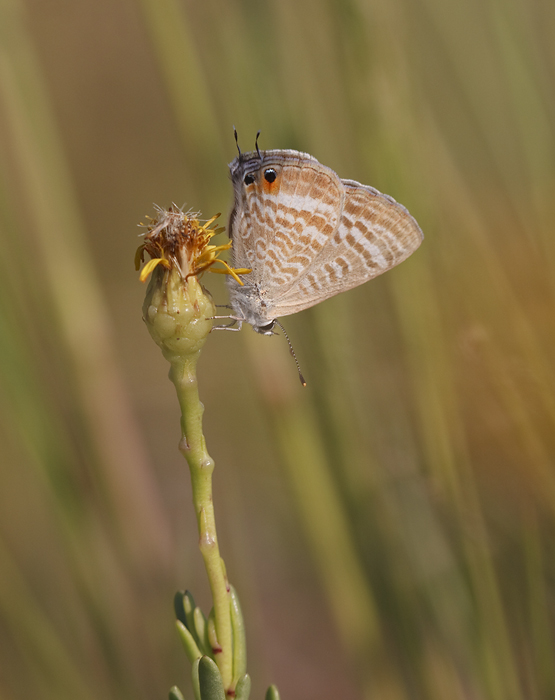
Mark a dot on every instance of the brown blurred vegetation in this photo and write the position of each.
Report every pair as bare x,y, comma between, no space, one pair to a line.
390,528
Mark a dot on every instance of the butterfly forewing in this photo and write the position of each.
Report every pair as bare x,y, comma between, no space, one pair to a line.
310,207
285,224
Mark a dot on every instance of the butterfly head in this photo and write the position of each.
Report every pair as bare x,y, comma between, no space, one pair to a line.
256,173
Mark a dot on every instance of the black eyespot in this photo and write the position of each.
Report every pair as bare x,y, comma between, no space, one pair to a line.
249,179
270,175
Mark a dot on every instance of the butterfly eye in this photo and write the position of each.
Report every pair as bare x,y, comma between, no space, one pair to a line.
249,179
270,175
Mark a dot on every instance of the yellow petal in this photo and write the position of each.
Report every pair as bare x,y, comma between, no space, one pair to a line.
149,267
217,248
210,221
231,271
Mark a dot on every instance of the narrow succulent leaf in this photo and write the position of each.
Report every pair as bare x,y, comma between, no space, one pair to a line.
239,637
200,623
176,694
194,678
211,633
210,680
179,607
272,693
191,648
189,606
243,688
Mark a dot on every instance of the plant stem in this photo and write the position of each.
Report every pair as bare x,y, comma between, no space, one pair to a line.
201,465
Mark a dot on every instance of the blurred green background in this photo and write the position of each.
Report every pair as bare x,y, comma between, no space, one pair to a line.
389,528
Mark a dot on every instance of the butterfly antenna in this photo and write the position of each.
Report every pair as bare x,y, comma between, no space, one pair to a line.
237,141
292,351
256,144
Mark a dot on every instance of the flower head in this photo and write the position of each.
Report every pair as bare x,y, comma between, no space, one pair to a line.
177,309
178,239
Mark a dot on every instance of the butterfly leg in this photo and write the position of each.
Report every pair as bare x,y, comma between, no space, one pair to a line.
229,326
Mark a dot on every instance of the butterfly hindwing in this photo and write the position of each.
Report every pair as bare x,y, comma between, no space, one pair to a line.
373,235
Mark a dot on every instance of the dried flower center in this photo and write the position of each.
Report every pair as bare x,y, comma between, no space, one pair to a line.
178,239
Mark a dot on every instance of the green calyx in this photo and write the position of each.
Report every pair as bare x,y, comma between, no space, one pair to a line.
178,313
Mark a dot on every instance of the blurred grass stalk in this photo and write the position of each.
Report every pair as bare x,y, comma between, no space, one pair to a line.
69,314
78,307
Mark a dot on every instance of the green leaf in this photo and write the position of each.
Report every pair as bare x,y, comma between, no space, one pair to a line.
194,678
211,633
272,693
210,680
176,694
201,632
191,648
189,607
179,608
243,688
239,638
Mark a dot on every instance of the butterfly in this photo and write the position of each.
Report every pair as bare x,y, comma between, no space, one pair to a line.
306,235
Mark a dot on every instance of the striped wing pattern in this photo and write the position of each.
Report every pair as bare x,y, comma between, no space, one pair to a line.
280,230
309,235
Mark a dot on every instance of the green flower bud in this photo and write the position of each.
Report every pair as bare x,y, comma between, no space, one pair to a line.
177,312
